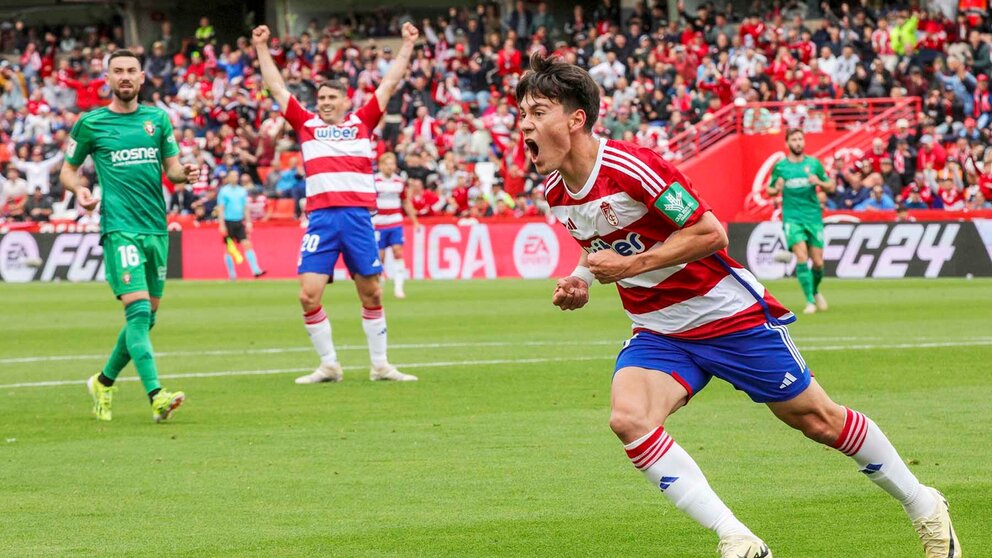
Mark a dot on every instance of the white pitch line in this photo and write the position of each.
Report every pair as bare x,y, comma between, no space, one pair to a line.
288,370
399,346
439,364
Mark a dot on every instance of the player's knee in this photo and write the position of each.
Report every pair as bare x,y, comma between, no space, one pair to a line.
309,300
629,425
817,426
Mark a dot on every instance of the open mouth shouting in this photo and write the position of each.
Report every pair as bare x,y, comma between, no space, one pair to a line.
532,149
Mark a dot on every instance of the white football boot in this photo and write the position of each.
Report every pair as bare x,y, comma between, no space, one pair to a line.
743,546
323,373
936,532
389,373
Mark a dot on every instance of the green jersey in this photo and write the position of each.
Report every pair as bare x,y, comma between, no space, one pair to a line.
799,201
128,151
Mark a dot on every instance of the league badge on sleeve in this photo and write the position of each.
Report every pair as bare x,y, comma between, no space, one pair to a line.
677,204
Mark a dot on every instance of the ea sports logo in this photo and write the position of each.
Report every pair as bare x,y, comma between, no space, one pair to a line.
765,242
535,251
18,257
335,133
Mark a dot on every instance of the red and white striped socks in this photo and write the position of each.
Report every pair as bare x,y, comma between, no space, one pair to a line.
374,324
319,330
862,440
669,468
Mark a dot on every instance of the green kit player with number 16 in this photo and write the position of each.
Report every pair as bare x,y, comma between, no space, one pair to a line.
130,144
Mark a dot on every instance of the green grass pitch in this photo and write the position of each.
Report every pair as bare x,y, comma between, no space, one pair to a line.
502,448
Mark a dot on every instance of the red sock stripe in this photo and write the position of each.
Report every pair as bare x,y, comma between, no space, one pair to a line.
652,438
651,450
852,437
315,316
372,313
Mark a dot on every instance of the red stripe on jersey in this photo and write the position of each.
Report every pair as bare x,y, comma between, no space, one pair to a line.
321,165
340,199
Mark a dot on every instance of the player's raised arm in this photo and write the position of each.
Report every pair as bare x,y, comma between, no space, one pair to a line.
270,72
692,243
396,72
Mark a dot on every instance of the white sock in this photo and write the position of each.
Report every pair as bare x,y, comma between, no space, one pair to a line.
319,329
374,324
399,273
863,441
668,467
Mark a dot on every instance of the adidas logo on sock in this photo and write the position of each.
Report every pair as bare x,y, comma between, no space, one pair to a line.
666,482
787,381
872,468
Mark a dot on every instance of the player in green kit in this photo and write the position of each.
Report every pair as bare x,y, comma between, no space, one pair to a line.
130,144
797,178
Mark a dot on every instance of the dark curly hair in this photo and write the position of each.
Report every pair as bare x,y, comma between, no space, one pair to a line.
556,80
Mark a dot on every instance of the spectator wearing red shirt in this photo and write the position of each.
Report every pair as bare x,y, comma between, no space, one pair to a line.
509,60
87,91
425,202
951,198
876,154
931,155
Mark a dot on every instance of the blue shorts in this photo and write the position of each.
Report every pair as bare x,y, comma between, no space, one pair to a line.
763,362
334,231
393,236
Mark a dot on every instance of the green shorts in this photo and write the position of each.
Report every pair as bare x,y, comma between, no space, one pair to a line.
135,262
810,233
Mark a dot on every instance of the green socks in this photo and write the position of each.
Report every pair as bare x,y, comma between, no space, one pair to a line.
805,277
119,357
817,277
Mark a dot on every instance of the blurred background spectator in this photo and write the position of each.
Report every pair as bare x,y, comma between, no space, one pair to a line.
663,69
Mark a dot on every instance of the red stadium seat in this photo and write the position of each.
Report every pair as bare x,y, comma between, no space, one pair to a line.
284,210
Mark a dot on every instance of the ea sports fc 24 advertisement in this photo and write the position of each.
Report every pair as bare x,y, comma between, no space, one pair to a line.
526,249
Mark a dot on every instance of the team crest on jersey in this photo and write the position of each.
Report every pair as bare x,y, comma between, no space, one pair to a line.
126,278
149,127
611,216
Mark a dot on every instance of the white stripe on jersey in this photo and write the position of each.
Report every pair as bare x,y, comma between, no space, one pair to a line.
624,166
553,180
644,170
651,278
726,298
590,221
314,149
339,182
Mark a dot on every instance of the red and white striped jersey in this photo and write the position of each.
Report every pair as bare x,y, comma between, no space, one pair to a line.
337,159
633,201
389,200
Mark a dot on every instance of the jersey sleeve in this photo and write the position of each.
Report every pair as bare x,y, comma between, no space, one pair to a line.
820,172
775,175
79,145
169,148
371,113
668,193
295,114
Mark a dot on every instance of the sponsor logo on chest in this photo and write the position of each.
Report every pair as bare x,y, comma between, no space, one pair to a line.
134,156
627,246
335,133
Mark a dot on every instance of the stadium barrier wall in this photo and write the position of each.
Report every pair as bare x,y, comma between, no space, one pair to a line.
727,173
531,249
875,249
68,255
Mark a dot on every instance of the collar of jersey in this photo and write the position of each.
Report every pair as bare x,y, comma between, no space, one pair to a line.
592,175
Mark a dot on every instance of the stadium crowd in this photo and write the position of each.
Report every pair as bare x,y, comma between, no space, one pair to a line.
453,123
